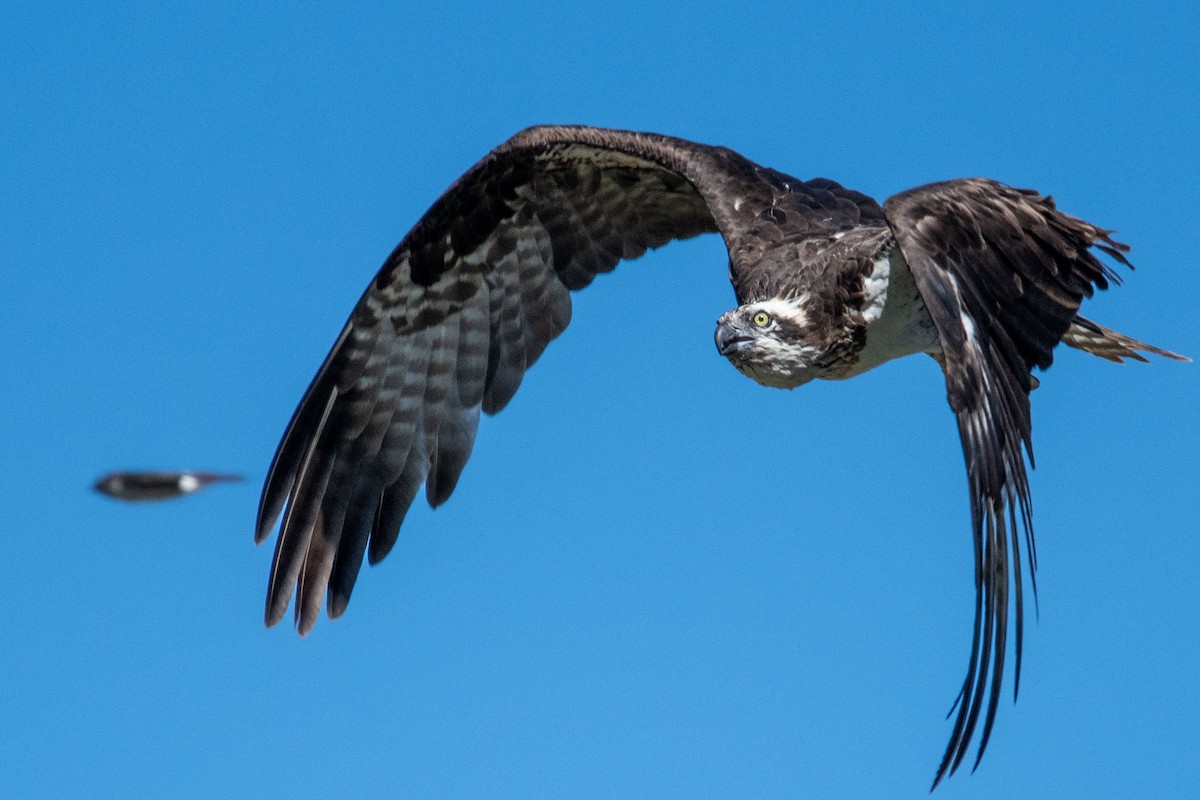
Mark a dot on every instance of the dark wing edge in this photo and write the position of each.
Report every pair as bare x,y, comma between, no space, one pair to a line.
460,310
1002,272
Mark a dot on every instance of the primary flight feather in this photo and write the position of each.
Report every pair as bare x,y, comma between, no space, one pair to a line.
984,278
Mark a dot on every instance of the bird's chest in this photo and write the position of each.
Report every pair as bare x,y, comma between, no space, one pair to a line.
894,321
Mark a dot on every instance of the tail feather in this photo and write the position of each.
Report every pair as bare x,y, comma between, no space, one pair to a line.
1101,341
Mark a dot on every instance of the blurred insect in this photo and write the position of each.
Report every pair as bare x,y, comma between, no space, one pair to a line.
157,485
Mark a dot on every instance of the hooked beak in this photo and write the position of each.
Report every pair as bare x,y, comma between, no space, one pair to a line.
730,340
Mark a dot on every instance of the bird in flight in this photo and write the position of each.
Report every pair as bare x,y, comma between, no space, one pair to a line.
983,277
157,485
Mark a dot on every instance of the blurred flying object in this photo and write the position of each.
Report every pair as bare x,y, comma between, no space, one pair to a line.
985,278
157,485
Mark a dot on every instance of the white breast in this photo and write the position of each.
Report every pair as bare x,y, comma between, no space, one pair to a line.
898,323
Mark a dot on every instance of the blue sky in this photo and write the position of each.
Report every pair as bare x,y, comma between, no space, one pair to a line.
656,579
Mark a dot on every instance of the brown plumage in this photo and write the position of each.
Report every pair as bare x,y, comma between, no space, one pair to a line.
481,284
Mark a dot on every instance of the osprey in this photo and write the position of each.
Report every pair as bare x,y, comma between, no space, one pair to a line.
985,278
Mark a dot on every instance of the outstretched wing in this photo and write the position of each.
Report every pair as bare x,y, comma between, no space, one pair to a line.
466,303
1002,272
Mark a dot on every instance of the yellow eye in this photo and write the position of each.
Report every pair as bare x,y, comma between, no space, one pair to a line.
762,319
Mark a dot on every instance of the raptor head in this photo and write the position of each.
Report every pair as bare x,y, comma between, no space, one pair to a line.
769,341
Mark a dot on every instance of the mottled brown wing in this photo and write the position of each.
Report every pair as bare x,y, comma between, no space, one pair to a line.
464,305
1002,272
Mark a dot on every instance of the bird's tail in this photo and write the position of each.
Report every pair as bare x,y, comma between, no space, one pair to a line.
1101,341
